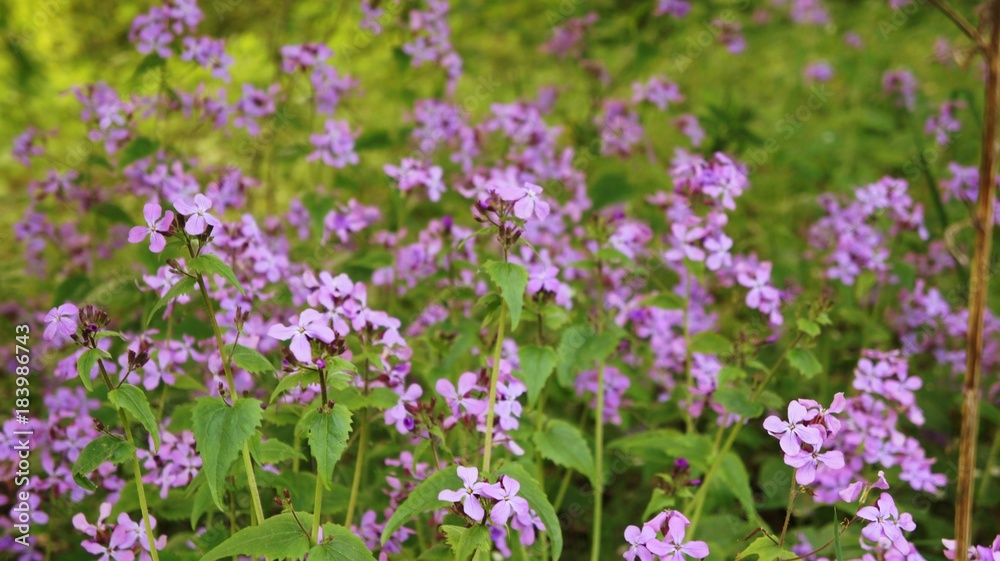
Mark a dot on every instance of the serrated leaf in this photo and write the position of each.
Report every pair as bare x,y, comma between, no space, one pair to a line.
328,433
274,452
535,495
737,401
249,359
340,544
562,443
294,380
765,550
209,263
424,497
512,279
86,362
805,362
537,364
220,432
182,286
133,400
102,449
277,537
708,342
465,542
580,347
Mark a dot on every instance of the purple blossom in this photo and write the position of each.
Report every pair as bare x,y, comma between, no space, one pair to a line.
508,503
806,462
673,547
335,146
471,489
527,200
311,325
198,217
155,227
885,522
794,431
61,323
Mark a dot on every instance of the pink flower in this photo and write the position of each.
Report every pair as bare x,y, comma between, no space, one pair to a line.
638,540
472,488
885,522
154,228
61,322
311,325
793,432
673,547
528,200
198,218
805,463
505,492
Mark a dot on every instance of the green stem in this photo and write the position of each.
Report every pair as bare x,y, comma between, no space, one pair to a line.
247,463
595,551
984,483
317,505
494,375
136,469
792,495
358,468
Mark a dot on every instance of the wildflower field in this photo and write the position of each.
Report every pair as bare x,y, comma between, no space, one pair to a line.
452,280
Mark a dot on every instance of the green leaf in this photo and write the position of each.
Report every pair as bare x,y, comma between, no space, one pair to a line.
563,443
537,364
86,362
423,498
465,542
250,359
765,550
209,263
731,374
665,301
328,432
274,452
294,380
182,286
340,544
278,537
660,444
708,342
809,327
737,401
580,347
535,495
133,400
109,333
512,279
102,449
733,475
805,362
138,149
837,547
220,432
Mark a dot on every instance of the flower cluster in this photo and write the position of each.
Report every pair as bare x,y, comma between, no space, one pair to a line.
672,525
494,504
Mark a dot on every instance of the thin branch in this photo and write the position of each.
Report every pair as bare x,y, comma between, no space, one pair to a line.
962,23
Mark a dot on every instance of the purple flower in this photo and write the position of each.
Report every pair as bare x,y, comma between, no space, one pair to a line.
805,463
471,489
303,57
198,218
311,325
673,547
638,541
684,238
154,228
505,492
61,322
793,432
527,200
335,146
885,522
208,53
527,524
